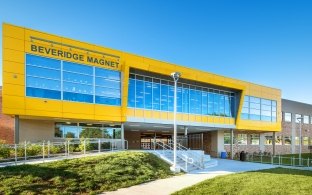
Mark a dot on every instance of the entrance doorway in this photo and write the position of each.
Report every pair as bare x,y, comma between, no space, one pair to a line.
147,140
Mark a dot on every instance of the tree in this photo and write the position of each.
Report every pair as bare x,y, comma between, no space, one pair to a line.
91,133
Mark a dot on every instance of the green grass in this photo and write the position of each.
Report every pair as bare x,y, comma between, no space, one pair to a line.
88,175
270,181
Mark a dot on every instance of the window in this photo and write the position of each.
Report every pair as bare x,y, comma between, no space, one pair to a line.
268,140
287,117
298,118
305,141
297,140
255,139
306,119
242,139
227,138
56,79
147,92
255,108
278,140
287,140
43,77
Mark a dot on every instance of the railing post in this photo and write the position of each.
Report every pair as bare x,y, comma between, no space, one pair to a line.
49,149
25,151
261,158
99,146
43,150
68,148
15,151
279,160
65,144
84,146
186,163
272,159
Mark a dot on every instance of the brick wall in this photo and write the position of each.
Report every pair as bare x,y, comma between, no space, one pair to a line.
6,125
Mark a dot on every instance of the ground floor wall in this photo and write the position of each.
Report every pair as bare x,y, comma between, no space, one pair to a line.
36,130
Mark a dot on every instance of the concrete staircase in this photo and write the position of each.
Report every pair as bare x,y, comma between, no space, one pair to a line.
187,160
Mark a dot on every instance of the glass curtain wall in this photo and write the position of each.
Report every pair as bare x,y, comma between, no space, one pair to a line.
157,94
255,108
56,79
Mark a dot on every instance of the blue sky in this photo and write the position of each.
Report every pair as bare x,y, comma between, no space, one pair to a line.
265,42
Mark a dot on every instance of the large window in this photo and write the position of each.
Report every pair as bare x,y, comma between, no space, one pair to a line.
255,139
305,141
227,138
278,140
43,77
242,139
157,94
287,140
87,130
56,79
255,108
298,118
306,119
287,117
268,140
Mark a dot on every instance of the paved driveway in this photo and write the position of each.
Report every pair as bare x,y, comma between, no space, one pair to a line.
170,185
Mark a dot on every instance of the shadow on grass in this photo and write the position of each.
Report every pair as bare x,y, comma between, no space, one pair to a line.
35,179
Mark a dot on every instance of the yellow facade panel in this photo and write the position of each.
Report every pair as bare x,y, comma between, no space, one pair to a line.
42,113
156,114
46,105
13,67
13,56
130,112
77,107
192,118
13,111
32,35
14,90
164,115
14,102
78,116
13,31
13,43
13,78
107,110
185,117
198,118
147,114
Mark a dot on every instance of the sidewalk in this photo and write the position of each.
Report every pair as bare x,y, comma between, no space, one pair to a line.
173,184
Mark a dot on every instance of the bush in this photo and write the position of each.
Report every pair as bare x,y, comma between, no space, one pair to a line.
4,150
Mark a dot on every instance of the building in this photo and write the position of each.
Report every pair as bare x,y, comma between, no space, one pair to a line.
55,87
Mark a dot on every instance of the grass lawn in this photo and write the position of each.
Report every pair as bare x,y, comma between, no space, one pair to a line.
270,181
88,175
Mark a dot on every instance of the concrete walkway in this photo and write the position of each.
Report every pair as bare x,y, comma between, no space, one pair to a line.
173,184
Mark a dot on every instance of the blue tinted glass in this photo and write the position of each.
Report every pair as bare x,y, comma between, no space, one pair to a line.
78,78
43,93
227,107
44,62
131,94
139,94
109,74
156,94
77,88
78,97
204,103
78,68
179,99
273,103
216,100
185,95
148,95
101,91
198,102
244,116
254,114
43,72
164,97
221,105
193,103
36,82
171,98
107,100
233,107
210,103
99,81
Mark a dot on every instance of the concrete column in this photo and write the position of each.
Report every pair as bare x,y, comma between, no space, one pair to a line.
122,134
232,141
273,143
220,142
261,140
16,130
293,133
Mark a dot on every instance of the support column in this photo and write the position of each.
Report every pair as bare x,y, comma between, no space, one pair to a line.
16,130
220,142
122,134
232,141
273,143
261,140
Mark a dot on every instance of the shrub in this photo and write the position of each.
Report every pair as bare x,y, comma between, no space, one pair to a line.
4,150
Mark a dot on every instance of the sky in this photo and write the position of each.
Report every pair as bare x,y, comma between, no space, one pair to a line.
268,42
